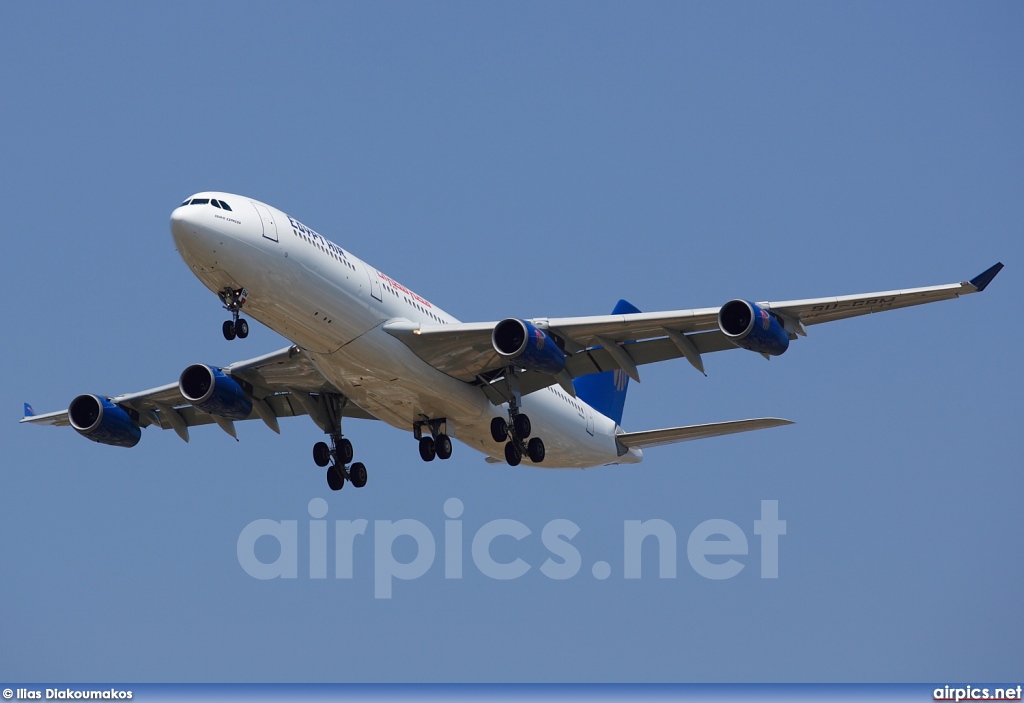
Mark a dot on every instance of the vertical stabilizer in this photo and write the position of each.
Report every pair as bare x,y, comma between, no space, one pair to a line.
605,392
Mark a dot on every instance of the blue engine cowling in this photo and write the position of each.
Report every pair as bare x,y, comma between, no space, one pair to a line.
753,328
529,347
214,392
101,421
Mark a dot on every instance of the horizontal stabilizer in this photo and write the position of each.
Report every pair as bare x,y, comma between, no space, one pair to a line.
671,435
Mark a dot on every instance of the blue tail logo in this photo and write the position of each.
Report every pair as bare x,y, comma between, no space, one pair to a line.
605,392
29,412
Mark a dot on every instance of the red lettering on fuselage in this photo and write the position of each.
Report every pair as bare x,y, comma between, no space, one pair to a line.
395,284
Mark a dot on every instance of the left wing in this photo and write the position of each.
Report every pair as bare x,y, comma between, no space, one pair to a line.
464,350
282,384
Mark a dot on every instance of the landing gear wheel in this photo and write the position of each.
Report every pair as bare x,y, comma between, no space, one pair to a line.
321,454
335,480
345,451
535,450
427,450
229,330
522,426
241,328
512,454
499,429
357,474
443,446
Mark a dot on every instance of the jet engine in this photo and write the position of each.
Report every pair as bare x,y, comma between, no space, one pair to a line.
752,327
101,421
214,392
527,346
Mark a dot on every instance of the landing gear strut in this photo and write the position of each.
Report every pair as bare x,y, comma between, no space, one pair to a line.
340,449
438,444
517,429
233,300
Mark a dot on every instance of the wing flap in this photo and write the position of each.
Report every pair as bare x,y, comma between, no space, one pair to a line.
288,369
461,350
649,351
282,405
631,327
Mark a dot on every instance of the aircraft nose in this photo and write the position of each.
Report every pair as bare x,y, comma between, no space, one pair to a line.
205,224
181,224
187,227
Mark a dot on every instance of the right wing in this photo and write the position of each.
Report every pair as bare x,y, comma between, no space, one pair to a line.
464,350
283,384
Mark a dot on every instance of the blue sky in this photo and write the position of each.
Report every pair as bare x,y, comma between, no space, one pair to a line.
526,159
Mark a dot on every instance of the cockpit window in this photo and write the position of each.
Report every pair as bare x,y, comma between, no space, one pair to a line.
208,201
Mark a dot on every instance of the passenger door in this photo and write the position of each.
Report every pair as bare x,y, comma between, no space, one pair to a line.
269,226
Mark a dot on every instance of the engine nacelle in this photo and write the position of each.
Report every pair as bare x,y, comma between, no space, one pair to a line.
527,346
101,421
214,392
753,328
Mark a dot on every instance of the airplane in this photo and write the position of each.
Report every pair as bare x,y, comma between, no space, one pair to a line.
549,392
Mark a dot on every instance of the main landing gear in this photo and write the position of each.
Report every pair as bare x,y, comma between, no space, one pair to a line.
438,444
339,451
233,301
517,431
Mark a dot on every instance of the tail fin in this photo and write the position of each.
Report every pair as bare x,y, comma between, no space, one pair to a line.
605,392
29,412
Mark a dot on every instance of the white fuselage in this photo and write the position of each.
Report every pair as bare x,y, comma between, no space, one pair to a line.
333,306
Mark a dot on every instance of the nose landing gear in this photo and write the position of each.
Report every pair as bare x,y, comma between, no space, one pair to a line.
233,301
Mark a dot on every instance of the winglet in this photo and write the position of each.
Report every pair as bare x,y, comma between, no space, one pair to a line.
29,412
981,281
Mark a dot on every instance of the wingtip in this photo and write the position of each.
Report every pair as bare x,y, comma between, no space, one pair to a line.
981,281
